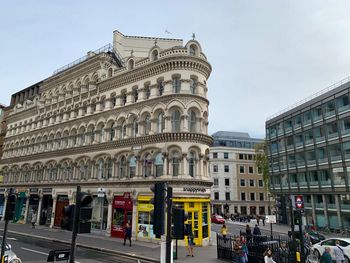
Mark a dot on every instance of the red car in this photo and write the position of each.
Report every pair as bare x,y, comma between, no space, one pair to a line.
217,219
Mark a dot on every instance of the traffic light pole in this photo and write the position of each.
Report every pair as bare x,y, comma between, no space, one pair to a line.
168,227
75,225
292,225
3,244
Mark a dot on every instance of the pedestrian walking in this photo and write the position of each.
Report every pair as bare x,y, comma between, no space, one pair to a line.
258,220
248,232
284,253
256,231
326,256
338,252
263,219
268,256
244,248
33,220
224,232
237,251
190,240
127,233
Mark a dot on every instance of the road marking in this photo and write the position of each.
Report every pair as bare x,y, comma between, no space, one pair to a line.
35,251
10,238
39,252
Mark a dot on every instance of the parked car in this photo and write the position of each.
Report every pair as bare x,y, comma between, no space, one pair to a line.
315,237
318,249
11,256
217,219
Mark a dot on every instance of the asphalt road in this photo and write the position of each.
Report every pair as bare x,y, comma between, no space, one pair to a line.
31,250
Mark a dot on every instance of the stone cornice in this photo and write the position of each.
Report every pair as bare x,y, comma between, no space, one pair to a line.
85,67
144,140
106,113
119,183
22,114
157,67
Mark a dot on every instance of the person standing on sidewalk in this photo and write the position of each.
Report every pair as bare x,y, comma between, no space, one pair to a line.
338,252
326,256
190,240
127,233
224,232
33,220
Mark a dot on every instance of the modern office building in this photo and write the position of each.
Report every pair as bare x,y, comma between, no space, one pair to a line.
115,122
309,154
237,184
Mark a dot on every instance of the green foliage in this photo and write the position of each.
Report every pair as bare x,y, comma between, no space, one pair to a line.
262,162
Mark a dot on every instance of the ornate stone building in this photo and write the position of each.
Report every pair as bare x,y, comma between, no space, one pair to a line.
115,122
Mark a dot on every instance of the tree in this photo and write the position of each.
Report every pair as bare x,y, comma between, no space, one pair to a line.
262,162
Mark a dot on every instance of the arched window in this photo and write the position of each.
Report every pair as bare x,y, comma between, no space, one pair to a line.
101,169
158,162
147,166
123,130
193,50
132,167
135,128
114,101
191,164
176,85
160,122
175,121
124,98
193,86
110,72
131,64
122,167
175,163
192,121
154,55
147,124
84,171
101,134
92,135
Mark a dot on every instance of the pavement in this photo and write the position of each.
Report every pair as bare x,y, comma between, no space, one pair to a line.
144,251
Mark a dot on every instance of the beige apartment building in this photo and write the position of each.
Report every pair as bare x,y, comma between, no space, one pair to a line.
115,122
237,184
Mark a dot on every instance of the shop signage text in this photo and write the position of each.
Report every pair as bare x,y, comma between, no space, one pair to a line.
33,190
194,189
47,190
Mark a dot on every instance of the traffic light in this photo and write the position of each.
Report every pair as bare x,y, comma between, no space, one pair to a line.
297,217
85,213
10,206
179,223
159,209
68,217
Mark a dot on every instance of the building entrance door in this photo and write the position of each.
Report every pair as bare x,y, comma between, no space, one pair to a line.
193,210
62,201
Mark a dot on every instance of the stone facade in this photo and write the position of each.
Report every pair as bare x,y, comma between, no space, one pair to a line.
114,122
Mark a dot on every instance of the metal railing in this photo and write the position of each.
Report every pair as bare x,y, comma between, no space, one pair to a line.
104,49
321,92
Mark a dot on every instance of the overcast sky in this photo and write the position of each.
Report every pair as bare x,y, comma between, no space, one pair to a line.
266,55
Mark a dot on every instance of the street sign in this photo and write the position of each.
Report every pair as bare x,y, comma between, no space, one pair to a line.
299,202
271,219
101,192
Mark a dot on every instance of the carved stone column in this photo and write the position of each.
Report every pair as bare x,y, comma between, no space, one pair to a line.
185,123
39,209
109,214
27,208
185,171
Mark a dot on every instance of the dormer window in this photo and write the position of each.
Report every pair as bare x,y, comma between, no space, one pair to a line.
193,50
154,55
131,64
136,95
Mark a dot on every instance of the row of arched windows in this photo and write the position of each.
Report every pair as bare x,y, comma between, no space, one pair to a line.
107,168
104,132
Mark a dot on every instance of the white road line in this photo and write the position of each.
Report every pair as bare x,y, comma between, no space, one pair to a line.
10,238
39,252
35,251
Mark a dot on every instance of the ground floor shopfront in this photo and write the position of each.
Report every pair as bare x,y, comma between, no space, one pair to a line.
112,209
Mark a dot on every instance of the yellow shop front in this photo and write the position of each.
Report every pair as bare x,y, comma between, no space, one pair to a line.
198,210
